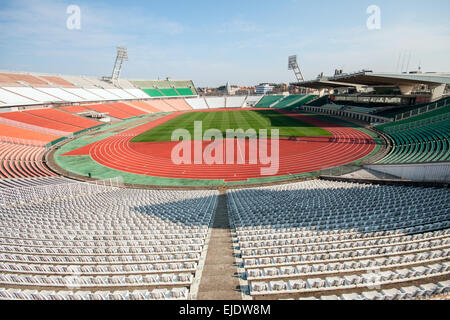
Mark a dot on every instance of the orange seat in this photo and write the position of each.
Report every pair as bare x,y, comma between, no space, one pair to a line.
19,133
64,117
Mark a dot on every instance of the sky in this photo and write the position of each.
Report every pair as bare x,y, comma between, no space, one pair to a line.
211,42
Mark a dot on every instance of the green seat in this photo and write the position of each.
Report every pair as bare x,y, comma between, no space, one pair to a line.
185,92
425,143
169,92
153,92
267,101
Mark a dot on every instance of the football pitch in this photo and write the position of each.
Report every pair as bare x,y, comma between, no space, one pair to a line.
239,119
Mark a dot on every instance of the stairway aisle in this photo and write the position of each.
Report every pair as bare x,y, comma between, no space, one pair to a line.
219,278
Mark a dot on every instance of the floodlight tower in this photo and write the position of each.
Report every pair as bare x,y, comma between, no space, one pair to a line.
293,65
122,55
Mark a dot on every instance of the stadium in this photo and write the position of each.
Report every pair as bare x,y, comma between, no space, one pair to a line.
114,188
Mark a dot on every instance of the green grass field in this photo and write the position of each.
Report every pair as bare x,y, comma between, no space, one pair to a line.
242,119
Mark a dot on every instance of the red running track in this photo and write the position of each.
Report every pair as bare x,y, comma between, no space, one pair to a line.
296,155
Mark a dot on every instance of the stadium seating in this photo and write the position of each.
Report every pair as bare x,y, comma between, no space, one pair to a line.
144,106
161,105
153,92
322,237
235,102
178,104
79,82
154,87
268,101
424,138
293,101
185,92
122,94
124,84
58,81
252,101
24,136
84,94
128,109
111,109
6,81
169,92
64,117
28,118
20,161
289,101
197,103
424,291
105,95
27,89
75,109
31,182
19,78
307,99
215,102
430,143
32,94
156,294
10,98
439,114
137,93
100,83
63,94
398,113
108,244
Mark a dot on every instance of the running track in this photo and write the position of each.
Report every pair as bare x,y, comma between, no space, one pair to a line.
298,155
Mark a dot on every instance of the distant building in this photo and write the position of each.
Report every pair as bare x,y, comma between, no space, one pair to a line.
228,89
264,88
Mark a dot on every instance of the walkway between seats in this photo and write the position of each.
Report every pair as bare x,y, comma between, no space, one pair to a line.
219,278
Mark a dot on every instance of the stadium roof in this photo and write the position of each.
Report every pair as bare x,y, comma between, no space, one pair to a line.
369,78
379,79
323,83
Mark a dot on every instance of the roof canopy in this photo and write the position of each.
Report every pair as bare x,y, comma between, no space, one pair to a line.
366,78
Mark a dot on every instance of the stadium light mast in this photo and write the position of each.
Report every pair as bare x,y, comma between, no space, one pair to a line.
122,55
293,65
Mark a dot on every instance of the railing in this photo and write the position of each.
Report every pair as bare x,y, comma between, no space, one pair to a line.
346,113
37,194
430,107
416,124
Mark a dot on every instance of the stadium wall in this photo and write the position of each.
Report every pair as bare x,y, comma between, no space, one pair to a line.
421,172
